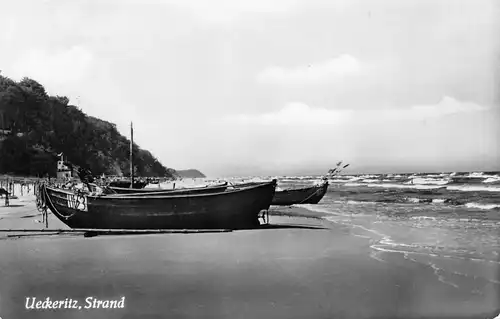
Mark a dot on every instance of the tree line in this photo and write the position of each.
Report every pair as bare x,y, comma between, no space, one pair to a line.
35,127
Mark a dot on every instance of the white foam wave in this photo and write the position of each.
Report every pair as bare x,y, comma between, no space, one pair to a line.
471,188
370,180
353,202
303,177
337,181
492,179
438,201
428,181
482,175
405,186
349,176
388,185
476,174
482,206
423,218
369,176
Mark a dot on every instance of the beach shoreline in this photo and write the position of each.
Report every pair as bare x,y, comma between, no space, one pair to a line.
300,265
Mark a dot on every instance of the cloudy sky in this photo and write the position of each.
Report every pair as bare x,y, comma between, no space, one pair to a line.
236,87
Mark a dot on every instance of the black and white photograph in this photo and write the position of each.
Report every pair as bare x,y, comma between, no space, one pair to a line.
250,159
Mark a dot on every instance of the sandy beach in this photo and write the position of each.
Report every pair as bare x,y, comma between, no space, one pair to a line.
297,267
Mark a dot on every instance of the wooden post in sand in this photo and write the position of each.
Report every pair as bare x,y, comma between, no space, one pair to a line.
131,156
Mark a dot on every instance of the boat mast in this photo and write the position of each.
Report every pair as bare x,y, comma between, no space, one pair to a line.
131,156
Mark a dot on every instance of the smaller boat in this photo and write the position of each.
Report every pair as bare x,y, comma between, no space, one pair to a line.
208,189
305,195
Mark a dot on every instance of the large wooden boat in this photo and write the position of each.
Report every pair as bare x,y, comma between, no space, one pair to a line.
159,191
305,195
236,208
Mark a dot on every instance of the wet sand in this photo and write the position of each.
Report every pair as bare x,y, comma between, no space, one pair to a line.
295,268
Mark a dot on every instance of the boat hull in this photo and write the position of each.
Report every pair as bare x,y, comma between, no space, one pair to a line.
230,210
307,195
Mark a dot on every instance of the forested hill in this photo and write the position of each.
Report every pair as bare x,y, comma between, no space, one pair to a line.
190,173
35,127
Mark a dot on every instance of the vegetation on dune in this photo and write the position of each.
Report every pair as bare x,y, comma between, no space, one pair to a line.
35,127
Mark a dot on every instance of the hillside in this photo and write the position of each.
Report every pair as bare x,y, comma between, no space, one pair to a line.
190,173
35,127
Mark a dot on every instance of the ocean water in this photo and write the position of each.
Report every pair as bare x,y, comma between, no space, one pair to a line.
447,221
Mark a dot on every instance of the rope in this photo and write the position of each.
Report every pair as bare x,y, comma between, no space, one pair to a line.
55,209
316,192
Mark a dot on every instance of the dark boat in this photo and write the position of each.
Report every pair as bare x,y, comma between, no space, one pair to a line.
467,179
160,191
126,184
306,195
231,209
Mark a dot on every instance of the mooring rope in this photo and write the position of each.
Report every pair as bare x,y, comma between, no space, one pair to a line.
55,208
313,194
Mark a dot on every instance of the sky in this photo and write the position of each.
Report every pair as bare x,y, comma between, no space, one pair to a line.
275,87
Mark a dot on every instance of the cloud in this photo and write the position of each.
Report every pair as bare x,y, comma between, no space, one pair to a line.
303,115
316,73
447,106
428,136
294,114
171,65
227,11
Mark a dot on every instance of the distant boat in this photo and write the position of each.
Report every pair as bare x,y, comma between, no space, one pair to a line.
305,195
467,179
159,191
236,208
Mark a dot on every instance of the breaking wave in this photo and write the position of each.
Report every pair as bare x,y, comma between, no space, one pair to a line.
471,188
482,206
428,181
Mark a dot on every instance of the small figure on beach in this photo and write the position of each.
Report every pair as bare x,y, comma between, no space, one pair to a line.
3,192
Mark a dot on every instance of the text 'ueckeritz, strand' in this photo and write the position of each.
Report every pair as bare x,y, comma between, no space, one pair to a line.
69,303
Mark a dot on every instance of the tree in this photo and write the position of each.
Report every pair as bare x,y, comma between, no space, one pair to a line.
44,125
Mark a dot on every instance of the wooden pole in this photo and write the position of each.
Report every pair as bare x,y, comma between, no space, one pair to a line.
131,156
116,231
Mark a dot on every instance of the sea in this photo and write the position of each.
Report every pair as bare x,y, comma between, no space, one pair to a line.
447,221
